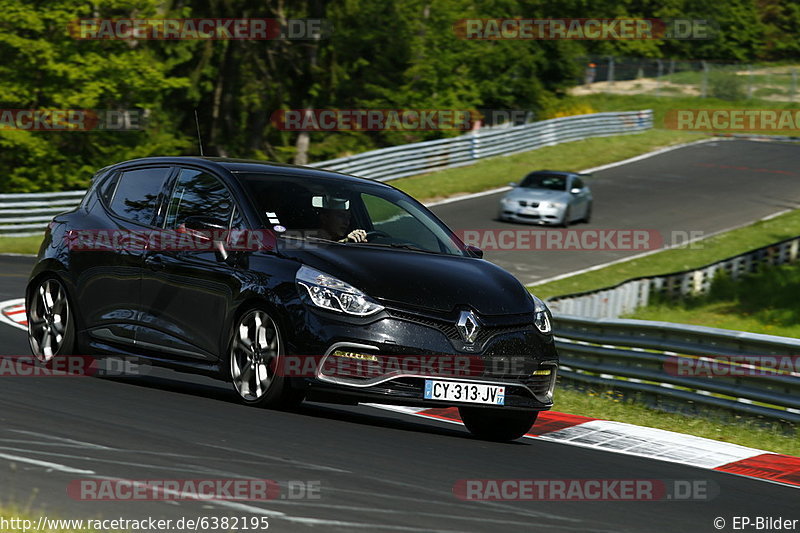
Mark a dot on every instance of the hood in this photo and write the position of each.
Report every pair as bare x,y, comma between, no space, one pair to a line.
416,279
537,195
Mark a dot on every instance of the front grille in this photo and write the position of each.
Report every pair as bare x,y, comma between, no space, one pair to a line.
521,215
448,327
523,203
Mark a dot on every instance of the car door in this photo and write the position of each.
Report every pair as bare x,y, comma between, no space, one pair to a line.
187,289
108,272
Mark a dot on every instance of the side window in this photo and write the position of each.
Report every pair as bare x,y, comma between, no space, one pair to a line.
577,182
108,188
136,194
198,193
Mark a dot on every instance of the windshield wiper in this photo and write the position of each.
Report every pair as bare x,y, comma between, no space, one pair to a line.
404,246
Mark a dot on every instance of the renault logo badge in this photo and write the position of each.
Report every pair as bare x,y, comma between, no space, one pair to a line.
468,326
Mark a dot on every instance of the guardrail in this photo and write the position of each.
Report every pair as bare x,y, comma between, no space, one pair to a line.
412,159
662,359
27,214
627,296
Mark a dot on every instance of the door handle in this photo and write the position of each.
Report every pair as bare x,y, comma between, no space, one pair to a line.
154,262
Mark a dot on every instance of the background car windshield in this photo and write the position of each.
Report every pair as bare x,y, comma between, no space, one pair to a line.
390,217
553,182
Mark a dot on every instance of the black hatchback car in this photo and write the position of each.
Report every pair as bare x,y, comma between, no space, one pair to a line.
291,283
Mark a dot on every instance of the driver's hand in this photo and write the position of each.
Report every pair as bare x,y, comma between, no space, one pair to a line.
357,235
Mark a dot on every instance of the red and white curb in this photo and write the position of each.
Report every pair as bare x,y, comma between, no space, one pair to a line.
12,312
657,444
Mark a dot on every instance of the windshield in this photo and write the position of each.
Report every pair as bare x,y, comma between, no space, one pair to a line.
342,211
554,182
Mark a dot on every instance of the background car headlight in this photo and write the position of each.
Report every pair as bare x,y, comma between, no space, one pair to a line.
541,315
327,292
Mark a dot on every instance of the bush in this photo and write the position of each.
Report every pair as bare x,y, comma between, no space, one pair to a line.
726,86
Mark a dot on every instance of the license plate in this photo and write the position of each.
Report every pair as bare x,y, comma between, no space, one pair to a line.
456,391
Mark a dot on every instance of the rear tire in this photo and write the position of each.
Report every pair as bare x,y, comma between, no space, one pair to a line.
497,425
255,362
51,321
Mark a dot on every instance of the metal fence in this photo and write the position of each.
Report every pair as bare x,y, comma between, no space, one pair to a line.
675,363
27,214
670,77
629,295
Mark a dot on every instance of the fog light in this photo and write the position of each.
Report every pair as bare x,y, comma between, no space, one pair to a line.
355,355
545,372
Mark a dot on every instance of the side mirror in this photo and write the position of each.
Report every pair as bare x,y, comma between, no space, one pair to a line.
513,184
210,228
474,251
575,190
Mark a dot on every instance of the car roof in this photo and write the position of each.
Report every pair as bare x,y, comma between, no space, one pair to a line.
238,166
557,172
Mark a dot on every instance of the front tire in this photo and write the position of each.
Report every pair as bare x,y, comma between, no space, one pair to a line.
588,216
255,362
51,323
497,425
565,220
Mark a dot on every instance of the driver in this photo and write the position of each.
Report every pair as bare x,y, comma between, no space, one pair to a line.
334,219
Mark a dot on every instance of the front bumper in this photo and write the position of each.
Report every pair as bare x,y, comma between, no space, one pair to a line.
388,358
532,215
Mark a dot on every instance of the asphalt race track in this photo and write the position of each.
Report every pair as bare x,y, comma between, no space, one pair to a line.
378,470
706,187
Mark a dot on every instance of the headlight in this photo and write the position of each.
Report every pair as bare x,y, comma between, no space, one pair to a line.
551,205
541,315
327,292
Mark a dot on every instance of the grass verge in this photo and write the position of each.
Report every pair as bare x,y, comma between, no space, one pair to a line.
27,520
762,302
699,254
20,245
714,424
498,171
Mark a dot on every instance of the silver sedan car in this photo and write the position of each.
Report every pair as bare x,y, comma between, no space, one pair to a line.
548,197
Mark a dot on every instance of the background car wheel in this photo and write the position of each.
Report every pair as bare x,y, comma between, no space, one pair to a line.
588,216
565,220
497,424
51,327
255,360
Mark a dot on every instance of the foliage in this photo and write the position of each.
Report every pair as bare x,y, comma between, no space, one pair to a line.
387,54
726,86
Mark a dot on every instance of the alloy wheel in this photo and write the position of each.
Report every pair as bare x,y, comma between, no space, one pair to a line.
48,319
